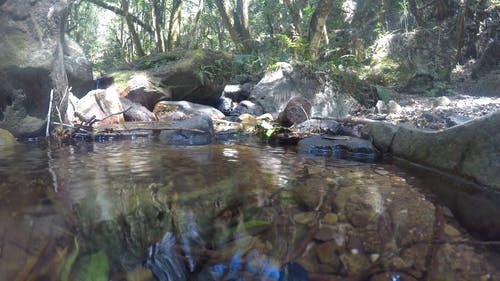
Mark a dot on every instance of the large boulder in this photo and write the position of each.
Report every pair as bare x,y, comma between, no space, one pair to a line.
167,110
31,63
196,76
144,87
415,61
286,81
78,68
470,150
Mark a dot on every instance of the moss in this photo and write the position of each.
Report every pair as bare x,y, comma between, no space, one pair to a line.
6,138
122,77
17,48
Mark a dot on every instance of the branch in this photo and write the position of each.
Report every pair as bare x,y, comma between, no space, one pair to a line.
120,12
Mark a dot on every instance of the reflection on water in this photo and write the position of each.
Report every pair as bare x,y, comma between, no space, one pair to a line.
139,210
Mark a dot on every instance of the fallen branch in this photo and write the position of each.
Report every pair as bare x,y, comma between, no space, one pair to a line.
111,115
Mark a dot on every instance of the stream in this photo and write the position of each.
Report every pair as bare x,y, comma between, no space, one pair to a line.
234,210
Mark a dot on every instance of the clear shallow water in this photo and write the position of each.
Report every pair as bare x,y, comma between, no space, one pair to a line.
123,210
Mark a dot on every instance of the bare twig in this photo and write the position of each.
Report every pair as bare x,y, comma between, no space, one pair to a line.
49,113
113,114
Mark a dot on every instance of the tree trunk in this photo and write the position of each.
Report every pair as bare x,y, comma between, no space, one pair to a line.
416,13
296,17
235,25
192,33
441,11
174,26
131,29
317,26
158,22
460,29
121,12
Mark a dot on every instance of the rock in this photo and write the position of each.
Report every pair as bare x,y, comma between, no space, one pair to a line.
31,63
198,131
167,109
488,85
297,110
441,101
461,263
469,150
341,147
381,133
248,107
413,61
381,107
455,120
354,264
225,105
6,138
319,126
238,93
144,87
451,231
326,233
393,107
310,192
277,87
78,68
101,104
326,253
136,112
304,218
330,218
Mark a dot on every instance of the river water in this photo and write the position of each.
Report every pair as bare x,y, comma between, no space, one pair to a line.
141,210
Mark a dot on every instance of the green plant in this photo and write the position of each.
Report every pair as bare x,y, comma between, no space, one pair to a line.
383,93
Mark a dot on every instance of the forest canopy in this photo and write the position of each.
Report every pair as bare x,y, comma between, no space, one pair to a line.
112,32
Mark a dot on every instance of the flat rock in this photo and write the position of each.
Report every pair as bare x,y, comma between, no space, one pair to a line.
340,147
470,150
198,130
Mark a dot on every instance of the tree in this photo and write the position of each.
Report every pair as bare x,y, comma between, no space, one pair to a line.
174,26
159,19
131,29
237,25
318,25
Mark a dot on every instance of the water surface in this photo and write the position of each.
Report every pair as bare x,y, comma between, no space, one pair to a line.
133,210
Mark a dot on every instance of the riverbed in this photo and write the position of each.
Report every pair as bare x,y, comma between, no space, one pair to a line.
233,210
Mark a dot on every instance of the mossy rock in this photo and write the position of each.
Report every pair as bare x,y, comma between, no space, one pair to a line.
6,138
413,61
197,76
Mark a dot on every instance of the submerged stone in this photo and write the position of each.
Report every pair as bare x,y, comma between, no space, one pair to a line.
339,147
198,130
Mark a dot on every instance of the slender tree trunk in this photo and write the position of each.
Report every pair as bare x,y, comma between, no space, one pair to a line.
121,12
317,26
236,25
296,17
192,33
174,26
441,11
460,29
158,22
416,13
131,29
